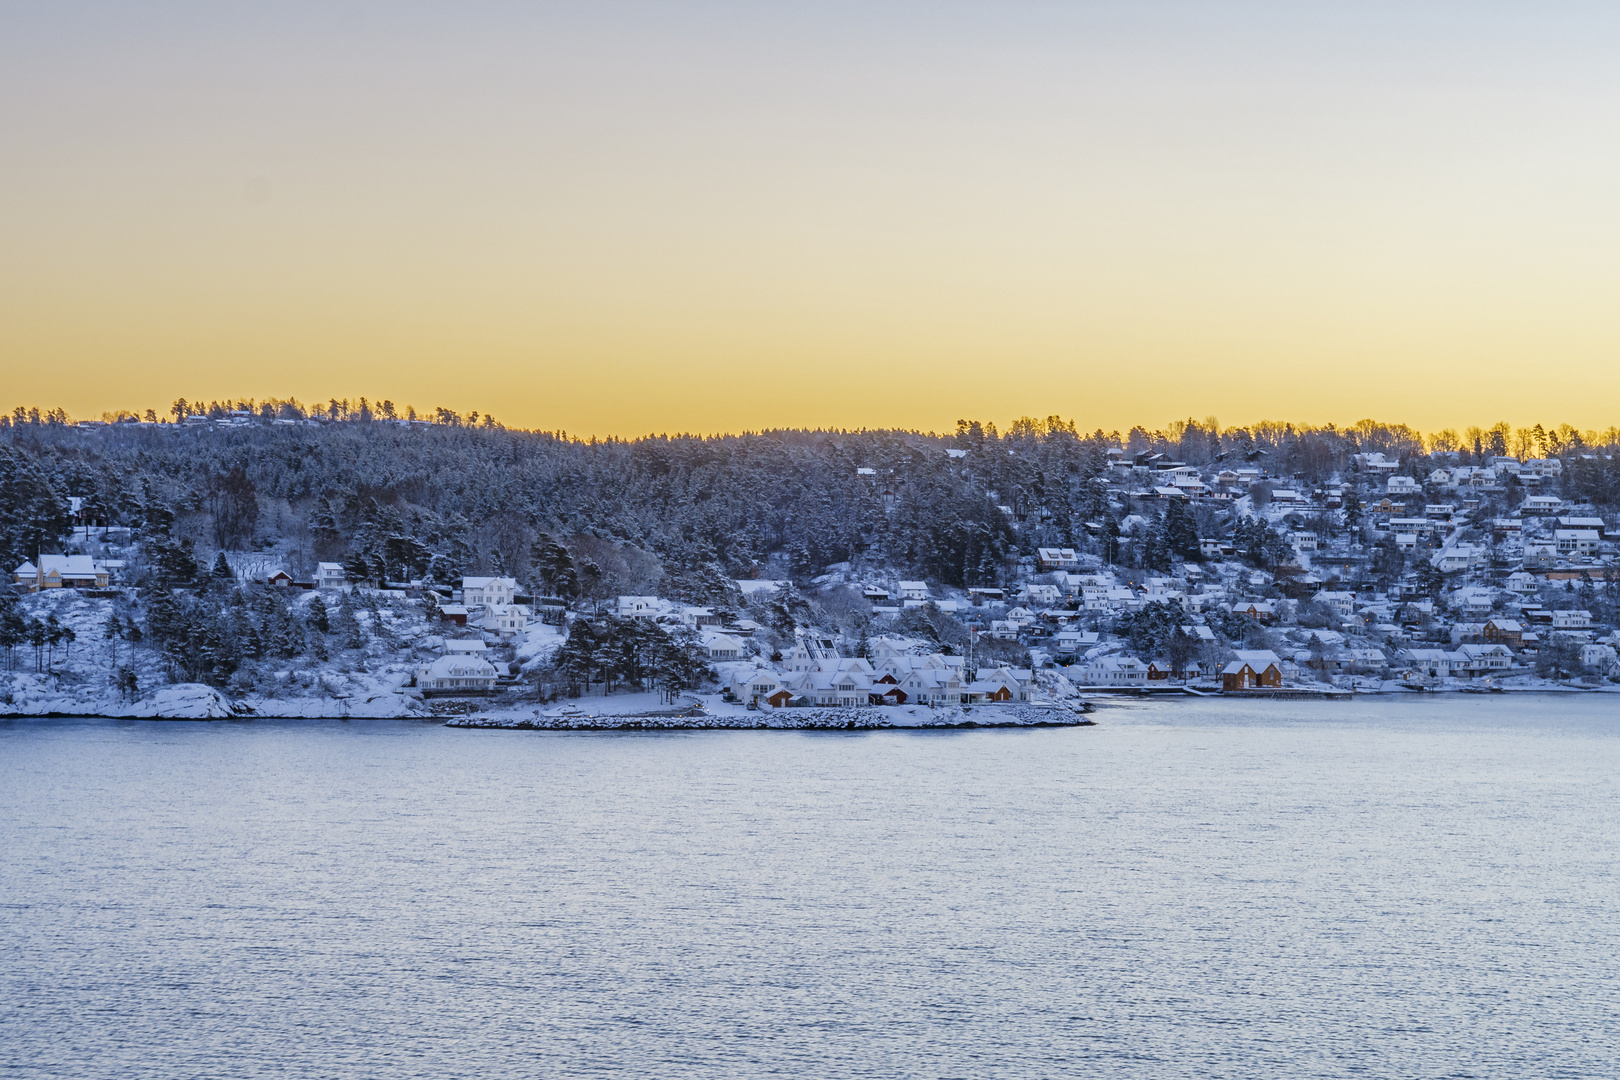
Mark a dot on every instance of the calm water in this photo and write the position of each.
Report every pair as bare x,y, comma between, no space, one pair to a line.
1400,889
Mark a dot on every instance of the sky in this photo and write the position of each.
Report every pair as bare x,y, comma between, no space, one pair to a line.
618,218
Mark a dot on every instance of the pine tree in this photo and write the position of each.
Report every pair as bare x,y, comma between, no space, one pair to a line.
346,627
576,656
1156,551
356,567
222,571
1110,539
1180,534
316,615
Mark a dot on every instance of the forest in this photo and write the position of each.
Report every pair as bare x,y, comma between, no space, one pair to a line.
396,499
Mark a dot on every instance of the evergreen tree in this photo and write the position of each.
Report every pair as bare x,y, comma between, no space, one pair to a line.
346,627
1110,539
13,627
1156,551
576,657
323,527
222,571
315,615
1180,534
1352,510
1430,581
357,567
33,516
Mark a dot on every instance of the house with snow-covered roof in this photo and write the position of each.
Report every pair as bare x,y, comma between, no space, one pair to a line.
1435,663
1571,620
61,572
1049,559
507,620
1578,542
759,684
1483,659
483,591
724,647
1252,669
1509,632
1115,670
638,607
459,673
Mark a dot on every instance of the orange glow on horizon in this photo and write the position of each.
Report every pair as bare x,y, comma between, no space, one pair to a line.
688,219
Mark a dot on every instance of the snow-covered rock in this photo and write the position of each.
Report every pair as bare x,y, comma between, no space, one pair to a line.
185,701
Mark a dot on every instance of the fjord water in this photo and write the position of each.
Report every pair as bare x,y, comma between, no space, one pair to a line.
1402,888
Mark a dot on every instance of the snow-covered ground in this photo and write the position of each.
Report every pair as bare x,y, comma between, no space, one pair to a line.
372,682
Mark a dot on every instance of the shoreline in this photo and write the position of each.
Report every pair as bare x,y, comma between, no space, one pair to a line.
195,702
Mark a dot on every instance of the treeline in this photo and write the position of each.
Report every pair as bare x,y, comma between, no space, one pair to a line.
678,515
337,410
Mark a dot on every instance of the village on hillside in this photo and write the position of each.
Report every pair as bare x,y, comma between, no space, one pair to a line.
1219,578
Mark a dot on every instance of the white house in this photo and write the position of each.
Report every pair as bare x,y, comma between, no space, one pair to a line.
1460,557
1403,485
1117,670
933,686
1340,601
1475,601
847,688
330,575
1049,559
638,607
1435,663
724,647
1484,659
755,685
1577,541
914,590
457,672
1600,658
1072,641
1542,504
1572,620
1376,462
699,617
1041,594
1002,683
476,591
506,620
1521,582
1364,661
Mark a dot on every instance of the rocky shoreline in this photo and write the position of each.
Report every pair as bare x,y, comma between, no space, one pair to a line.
876,718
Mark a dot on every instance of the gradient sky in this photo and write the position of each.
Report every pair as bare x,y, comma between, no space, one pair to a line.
616,218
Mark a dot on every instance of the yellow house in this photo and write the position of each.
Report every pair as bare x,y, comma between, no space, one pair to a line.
61,572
